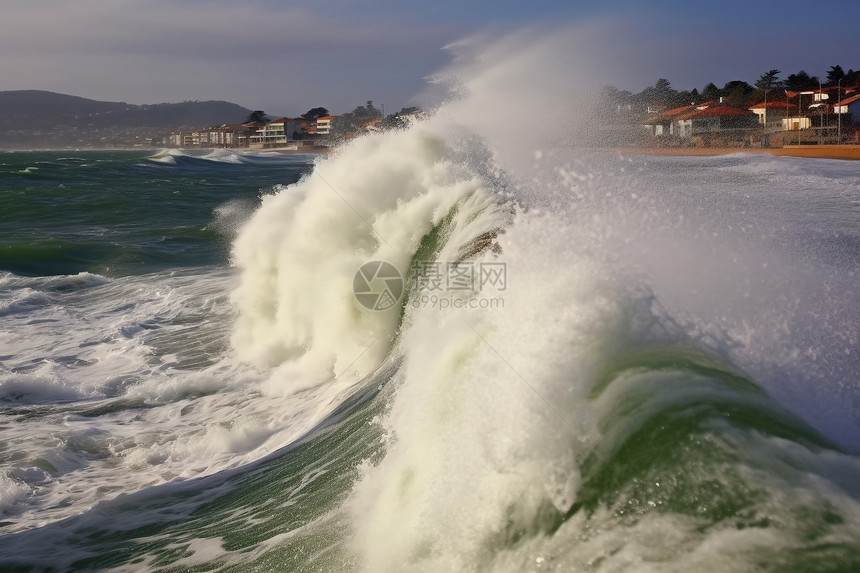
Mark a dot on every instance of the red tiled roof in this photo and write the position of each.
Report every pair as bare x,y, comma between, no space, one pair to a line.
675,113
823,90
677,110
847,101
771,104
659,118
719,111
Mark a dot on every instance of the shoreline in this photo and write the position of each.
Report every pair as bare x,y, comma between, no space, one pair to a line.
317,150
849,152
845,152
313,151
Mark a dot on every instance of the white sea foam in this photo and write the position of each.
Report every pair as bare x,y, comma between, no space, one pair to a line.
230,216
12,492
23,300
222,156
298,254
80,280
42,386
487,408
167,156
119,345
490,417
136,387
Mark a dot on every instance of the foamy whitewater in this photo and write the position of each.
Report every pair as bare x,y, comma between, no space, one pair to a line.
577,360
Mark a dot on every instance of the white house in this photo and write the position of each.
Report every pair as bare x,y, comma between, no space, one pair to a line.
275,133
850,106
772,112
720,118
228,135
324,125
666,123
795,123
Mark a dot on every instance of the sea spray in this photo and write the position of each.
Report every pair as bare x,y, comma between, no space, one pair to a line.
504,453
611,407
487,407
374,200
581,425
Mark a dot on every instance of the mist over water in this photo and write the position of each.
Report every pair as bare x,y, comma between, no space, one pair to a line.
664,377
662,327
748,253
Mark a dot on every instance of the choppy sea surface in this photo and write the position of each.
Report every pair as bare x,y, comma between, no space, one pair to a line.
595,363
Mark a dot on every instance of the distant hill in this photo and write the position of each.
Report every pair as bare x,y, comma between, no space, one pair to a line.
34,118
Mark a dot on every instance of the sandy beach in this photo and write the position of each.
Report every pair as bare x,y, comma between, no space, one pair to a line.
814,151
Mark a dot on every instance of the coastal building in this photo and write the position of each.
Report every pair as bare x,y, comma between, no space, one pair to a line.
803,106
323,125
773,112
666,123
848,118
319,126
228,135
849,106
771,116
275,133
411,115
709,122
796,123
184,139
716,119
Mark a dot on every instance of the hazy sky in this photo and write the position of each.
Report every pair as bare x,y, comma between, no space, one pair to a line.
284,57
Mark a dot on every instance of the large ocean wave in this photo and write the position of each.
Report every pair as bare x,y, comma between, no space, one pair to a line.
573,361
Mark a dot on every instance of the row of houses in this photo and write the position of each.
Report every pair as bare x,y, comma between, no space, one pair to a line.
826,115
284,133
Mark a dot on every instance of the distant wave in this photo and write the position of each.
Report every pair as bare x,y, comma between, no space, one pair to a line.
224,155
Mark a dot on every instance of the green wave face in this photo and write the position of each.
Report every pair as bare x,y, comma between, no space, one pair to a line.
686,440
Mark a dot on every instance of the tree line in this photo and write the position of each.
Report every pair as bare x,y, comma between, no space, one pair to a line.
351,122
736,93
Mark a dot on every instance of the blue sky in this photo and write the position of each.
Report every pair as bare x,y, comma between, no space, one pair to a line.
284,57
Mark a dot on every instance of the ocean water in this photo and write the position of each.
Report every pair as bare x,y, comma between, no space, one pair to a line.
188,381
433,350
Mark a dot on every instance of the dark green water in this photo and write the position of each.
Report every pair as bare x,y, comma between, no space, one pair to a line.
127,212
579,427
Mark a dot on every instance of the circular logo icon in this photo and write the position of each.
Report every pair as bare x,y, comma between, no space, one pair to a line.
377,285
